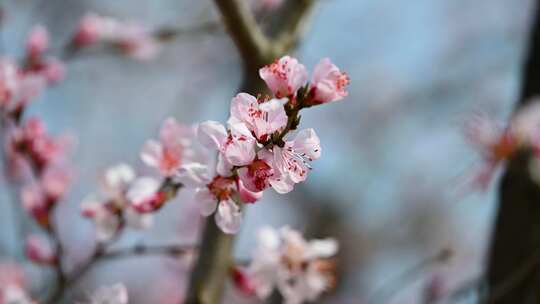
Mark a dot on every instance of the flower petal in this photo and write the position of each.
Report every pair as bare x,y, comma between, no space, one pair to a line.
206,201
211,134
307,143
193,175
228,217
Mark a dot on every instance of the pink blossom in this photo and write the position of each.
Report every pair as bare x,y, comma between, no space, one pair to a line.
284,77
139,45
246,195
88,30
261,117
260,174
35,202
9,81
53,70
39,250
121,198
43,148
29,86
169,153
291,160
525,125
37,42
495,144
213,194
55,181
328,83
128,37
299,269
236,147
18,87
106,219
144,195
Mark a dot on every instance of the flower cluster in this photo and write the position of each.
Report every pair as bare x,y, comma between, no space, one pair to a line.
19,84
301,270
497,143
116,205
129,200
255,150
32,150
129,38
35,159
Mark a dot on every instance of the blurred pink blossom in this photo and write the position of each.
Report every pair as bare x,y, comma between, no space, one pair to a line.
172,149
299,269
39,250
37,42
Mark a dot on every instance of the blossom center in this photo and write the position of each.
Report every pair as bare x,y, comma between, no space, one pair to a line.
222,187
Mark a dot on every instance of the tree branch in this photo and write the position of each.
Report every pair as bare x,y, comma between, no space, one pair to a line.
251,42
293,27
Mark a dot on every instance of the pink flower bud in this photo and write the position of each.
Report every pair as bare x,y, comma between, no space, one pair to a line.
37,42
35,202
53,71
39,250
284,77
328,83
55,181
88,30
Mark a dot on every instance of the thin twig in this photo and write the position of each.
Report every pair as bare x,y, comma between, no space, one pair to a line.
387,292
100,254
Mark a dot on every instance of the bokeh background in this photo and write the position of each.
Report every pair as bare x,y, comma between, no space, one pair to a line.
389,184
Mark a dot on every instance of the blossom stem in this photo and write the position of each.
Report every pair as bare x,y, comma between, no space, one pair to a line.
389,290
213,265
61,279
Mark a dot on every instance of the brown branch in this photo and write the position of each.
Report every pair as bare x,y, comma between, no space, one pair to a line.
251,42
293,27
